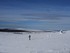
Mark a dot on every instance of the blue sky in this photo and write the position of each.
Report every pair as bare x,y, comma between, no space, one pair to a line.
35,14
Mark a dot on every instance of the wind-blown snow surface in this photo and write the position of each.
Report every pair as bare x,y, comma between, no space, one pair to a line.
44,42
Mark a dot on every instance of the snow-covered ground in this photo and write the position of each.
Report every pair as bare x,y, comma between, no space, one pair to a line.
42,42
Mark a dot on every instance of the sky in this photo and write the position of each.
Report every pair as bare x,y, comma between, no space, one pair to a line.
35,14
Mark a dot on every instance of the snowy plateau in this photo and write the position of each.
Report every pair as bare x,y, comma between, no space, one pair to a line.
41,42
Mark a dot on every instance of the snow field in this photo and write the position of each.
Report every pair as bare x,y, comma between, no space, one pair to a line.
43,42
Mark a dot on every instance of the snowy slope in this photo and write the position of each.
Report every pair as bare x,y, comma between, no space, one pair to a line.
43,42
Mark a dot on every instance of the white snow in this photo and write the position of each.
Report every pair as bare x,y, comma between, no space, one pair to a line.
44,42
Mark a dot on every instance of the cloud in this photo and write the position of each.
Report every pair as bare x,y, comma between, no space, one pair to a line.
35,16
43,16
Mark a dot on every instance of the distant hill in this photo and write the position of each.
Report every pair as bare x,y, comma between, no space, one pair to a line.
27,30
12,30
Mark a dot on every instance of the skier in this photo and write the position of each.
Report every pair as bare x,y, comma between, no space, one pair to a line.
29,37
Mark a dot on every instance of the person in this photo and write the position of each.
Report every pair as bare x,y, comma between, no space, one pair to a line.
29,37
